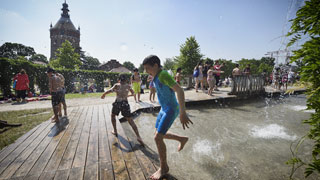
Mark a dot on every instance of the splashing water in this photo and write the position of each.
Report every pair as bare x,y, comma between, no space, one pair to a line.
271,131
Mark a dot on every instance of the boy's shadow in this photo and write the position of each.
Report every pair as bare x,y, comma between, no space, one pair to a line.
59,127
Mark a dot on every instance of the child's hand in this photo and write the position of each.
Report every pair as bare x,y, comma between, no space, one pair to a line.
103,95
184,119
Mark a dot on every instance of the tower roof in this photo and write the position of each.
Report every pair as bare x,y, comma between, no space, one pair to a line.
64,22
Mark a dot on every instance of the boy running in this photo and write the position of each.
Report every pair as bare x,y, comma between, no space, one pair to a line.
166,86
121,104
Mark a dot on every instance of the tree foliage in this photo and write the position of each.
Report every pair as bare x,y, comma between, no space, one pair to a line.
90,63
39,57
307,22
129,65
189,55
14,50
168,64
66,57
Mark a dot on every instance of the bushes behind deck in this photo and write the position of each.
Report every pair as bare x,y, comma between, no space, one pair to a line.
37,75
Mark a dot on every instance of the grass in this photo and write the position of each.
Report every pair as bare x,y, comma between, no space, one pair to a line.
88,95
28,118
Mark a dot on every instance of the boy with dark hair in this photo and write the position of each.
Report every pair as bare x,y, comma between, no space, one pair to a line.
122,89
166,86
57,92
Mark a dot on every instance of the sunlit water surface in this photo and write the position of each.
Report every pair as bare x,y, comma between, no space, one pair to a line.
248,141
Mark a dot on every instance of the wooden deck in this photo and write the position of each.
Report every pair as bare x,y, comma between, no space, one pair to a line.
81,147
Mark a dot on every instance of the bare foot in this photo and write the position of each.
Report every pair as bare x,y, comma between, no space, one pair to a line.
140,141
159,173
182,143
114,133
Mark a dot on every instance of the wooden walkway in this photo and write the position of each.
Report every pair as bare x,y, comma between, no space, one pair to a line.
81,147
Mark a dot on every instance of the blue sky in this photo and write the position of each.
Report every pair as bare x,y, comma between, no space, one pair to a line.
129,30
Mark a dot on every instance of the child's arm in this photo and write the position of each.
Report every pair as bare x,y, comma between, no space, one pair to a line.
108,92
184,119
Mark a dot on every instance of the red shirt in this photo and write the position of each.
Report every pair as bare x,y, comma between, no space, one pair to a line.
217,68
22,81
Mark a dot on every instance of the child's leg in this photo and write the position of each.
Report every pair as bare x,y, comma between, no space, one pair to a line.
182,139
162,150
139,96
59,110
135,129
135,97
114,124
154,94
64,108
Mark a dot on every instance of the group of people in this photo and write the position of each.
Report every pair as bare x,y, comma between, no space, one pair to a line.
165,87
280,78
207,76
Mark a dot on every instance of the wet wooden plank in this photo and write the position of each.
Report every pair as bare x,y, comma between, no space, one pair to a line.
14,154
76,173
91,172
118,163
61,147
31,160
106,170
133,166
62,174
46,155
67,159
120,170
146,165
80,156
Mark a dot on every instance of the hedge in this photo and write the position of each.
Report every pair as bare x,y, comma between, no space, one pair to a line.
37,75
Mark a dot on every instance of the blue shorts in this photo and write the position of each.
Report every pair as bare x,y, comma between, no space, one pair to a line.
165,119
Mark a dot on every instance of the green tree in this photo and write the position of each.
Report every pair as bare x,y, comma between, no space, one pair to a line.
14,50
66,57
141,68
169,64
39,57
129,65
189,55
307,23
90,63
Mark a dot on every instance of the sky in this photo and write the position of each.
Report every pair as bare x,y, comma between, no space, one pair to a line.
130,30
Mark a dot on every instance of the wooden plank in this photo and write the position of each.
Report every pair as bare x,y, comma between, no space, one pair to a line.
67,159
80,156
104,150
8,149
91,169
46,155
61,147
10,170
133,166
120,170
47,175
62,174
14,154
93,148
92,172
106,170
31,160
76,173
118,163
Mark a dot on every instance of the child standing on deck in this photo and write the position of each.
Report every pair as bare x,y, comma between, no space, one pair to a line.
121,104
135,82
166,87
152,89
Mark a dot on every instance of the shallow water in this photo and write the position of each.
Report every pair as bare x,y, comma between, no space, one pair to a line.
249,141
